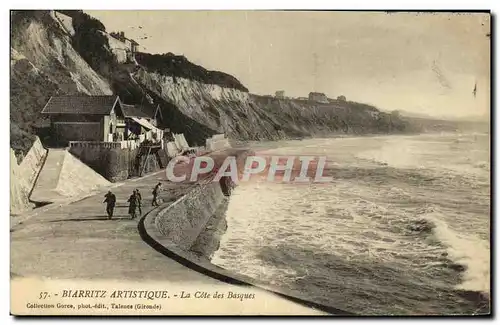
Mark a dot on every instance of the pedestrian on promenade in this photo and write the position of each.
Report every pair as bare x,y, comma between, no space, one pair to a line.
110,200
139,201
132,206
156,192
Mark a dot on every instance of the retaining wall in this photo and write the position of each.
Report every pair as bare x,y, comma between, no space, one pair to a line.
184,220
188,231
24,175
32,163
19,193
64,176
112,164
115,164
217,142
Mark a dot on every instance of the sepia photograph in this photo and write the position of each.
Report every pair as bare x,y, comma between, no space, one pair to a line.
250,162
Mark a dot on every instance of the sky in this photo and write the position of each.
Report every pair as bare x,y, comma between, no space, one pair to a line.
424,63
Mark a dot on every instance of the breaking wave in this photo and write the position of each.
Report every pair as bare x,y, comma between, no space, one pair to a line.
391,234
468,251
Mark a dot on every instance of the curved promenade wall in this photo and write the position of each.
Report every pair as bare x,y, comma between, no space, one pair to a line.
177,230
184,220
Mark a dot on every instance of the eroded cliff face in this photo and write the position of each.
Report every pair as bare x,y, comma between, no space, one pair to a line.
43,63
251,117
51,55
221,109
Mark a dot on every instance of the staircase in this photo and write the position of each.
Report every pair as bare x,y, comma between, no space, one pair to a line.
162,157
46,183
148,152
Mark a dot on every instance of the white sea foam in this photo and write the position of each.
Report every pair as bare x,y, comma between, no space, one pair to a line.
467,250
366,230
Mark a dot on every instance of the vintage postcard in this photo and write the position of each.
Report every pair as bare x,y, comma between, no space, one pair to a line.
331,163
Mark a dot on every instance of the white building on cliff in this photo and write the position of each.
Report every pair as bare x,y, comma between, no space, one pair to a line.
318,97
122,47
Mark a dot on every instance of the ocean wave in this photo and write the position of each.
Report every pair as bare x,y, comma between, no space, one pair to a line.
380,237
469,251
483,165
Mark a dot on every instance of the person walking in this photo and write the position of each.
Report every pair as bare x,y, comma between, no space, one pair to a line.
132,206
227,185
110,200
156,192
139,201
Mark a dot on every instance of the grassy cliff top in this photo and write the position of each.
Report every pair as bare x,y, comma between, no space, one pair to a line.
179,66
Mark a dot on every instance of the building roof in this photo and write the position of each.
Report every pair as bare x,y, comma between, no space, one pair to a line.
144,123
121,37
80,104
138,111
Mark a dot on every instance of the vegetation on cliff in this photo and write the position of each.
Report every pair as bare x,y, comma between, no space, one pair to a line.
307,118
43,63
90,42
178,66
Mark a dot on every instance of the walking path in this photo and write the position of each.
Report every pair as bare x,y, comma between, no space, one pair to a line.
64,175
76,241
46,184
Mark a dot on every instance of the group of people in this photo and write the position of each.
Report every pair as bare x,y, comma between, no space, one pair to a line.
134,202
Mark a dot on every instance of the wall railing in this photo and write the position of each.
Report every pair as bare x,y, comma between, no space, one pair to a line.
95,144
125,144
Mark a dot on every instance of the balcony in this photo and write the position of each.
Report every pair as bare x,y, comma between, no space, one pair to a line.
95,144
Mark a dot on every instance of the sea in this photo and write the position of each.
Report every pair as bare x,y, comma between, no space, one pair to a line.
403,227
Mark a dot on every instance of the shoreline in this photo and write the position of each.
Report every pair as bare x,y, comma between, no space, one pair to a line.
482,299
197,260
248,144
208,242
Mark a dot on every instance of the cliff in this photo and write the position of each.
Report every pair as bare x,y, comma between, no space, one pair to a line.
43,63
245,116
48,57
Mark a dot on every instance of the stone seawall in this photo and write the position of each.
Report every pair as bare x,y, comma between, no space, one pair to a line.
189,232
197,219
184,220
